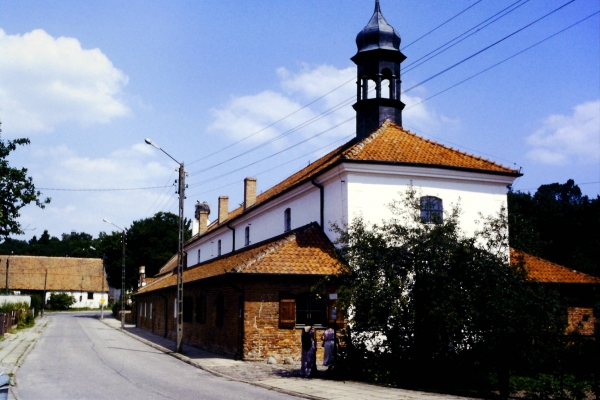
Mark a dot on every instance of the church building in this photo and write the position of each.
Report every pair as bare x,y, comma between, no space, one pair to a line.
249,272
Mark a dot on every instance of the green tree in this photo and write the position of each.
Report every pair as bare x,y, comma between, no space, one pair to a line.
421,293
150,242
60,301
16,189
557,223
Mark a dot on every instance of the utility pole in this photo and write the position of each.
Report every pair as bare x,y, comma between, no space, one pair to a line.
123,274
7,265
181,193
123,286
102,293
44,296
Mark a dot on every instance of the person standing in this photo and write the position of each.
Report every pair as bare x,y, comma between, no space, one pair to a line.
309,351
329,346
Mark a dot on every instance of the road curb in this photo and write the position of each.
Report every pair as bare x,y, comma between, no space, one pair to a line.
22,357
195,364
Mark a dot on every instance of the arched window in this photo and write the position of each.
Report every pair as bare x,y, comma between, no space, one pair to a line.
219,248
432,210
287,220
247,236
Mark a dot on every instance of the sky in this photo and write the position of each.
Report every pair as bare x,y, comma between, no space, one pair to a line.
261,88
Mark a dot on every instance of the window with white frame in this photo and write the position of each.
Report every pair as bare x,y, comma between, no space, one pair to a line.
219,248
287,220
198,256
247,236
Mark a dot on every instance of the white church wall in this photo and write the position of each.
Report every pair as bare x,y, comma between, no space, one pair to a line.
370,192
82,299
264,222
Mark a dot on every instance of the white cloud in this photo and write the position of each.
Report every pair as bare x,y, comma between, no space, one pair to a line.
246,115
567,139
61,167
47,81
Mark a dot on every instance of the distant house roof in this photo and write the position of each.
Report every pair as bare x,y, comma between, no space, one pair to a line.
548,272
64,273
390,144
303,251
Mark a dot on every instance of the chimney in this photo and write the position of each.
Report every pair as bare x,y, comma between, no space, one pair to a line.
142,281
249,192
202,211
223,209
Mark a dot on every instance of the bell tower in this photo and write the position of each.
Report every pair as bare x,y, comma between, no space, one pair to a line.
377,60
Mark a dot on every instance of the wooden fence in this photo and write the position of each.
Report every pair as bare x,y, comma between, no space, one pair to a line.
9,320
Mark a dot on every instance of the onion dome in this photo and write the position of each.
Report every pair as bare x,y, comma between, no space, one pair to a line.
378,34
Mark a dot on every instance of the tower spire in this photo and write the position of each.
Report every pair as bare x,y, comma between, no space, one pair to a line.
377,60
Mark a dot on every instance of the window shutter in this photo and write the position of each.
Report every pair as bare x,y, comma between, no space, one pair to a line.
287,313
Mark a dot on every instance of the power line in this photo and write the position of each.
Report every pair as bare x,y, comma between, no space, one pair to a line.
442,24
279,165
412,65
275,154
103,190
161,193
320,97
276,122
504,60
488,47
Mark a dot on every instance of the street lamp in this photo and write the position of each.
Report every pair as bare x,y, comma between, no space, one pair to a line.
101,277
181,192
122,276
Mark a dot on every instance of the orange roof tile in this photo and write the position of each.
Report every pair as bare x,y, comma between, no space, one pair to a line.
64,273
303,251
545,271
389,143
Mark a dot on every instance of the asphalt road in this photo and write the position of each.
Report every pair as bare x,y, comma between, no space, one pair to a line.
78,357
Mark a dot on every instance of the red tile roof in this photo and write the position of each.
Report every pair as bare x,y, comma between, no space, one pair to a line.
390,143
303,251
545,271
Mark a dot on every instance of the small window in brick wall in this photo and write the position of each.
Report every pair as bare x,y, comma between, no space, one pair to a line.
311,308
188,308
90,295
201,308
287,311
220,308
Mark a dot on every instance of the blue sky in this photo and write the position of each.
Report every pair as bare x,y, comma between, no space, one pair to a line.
88,81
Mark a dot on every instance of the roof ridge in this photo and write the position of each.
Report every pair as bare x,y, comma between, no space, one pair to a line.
354,150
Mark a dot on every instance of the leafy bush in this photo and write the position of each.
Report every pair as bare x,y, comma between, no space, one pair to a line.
6,307
60,301
36,303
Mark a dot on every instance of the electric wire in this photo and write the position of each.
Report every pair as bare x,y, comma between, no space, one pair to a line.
161,194
320,97
277,153
504,60
279,165
442,24
463,81
276,122
454,41
104,190
489,47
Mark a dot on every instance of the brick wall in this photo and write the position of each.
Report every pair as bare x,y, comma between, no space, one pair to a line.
262,336
581,320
